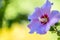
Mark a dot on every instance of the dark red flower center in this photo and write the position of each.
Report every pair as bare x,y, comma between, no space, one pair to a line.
44,19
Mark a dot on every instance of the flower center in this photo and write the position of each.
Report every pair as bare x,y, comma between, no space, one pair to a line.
44,19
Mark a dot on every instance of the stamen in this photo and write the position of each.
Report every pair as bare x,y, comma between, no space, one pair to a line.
43,19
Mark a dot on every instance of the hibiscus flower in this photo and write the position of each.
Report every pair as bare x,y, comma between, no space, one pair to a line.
43,18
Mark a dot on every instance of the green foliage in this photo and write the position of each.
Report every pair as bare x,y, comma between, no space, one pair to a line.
58,38
19,19
3,5
51,28
57,24
58,32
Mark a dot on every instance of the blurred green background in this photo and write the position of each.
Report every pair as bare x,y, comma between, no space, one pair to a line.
13,19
